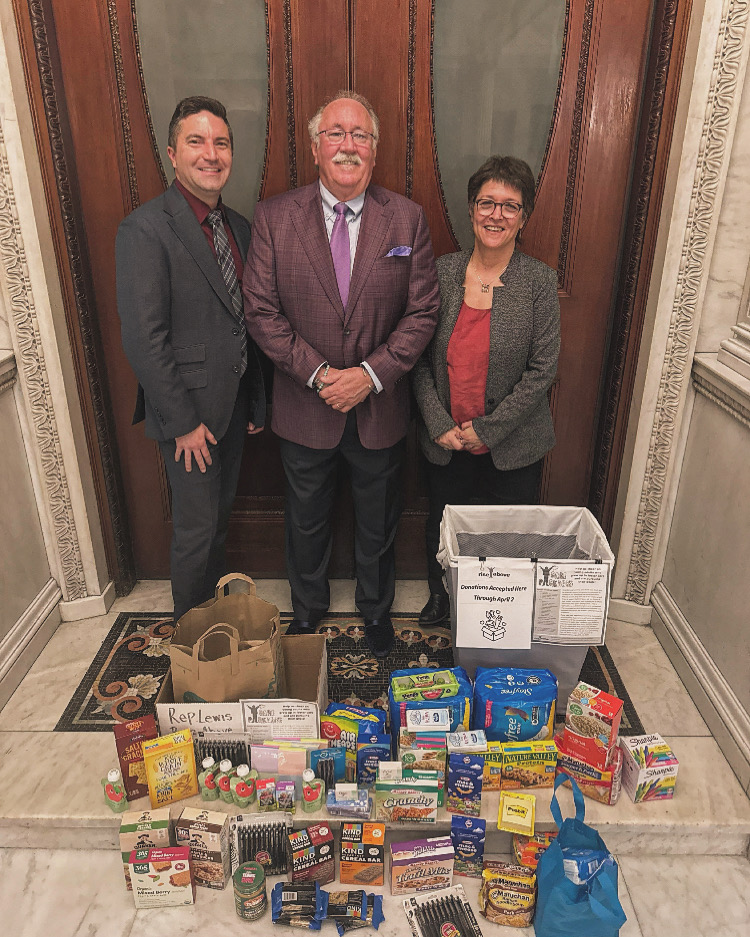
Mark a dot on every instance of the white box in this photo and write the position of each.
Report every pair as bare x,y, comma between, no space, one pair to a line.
649,768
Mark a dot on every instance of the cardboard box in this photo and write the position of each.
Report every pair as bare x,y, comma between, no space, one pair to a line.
143,829
528,765
362,854
128,738
602,785
410,800
311,856
297,714
421,865
592,721
206,834
162,877
649,768
170,768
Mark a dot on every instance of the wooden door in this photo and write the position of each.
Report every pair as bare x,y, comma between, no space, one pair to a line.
92,94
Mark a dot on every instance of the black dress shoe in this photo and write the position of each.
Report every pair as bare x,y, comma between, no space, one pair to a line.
298,626
436,612
379,635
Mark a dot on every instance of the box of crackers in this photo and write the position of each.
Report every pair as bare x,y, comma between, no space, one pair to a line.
128,739
170,768
143,829
362,854
162,877
206,834
421,865
592,721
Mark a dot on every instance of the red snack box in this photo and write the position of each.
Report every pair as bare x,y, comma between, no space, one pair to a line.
599,784
592,721
128,738
311,854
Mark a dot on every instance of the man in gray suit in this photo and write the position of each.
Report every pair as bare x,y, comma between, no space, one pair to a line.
179,268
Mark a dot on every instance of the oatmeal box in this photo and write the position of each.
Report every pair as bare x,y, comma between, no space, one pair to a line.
421,865
143,829
206,834
161,877
592,722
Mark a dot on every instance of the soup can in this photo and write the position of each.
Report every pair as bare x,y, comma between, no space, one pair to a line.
250,899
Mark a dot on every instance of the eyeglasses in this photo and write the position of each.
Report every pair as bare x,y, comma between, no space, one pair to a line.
485,206
359,137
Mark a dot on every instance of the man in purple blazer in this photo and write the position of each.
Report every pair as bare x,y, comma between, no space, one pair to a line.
341,293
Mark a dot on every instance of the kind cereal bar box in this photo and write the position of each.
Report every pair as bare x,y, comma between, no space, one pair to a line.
170,768
362,854
128,739
649,768
143,829
421,865
161,877
602,785
206,834
311,856
592,721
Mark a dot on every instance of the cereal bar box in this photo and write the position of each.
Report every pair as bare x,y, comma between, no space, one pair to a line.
410,800
493,766
592,721
602,785
362,854
528,765
161,877
206,834
649,768
421,865
142,829
170,768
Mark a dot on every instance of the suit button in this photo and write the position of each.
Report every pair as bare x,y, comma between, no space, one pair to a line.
490,401
236,368
235,331
347,331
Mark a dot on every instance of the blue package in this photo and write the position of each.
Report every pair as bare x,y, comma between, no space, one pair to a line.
514,704
463,786
468,836
459,706
374,918
291,894
336,755
371,750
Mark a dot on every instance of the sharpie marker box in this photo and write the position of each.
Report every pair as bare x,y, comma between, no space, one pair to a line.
649,768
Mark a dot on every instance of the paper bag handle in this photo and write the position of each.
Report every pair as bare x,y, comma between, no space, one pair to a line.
221,628
222,586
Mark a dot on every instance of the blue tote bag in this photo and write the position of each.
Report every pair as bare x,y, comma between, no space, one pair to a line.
564,909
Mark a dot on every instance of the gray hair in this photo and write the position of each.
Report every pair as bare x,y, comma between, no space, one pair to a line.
313,125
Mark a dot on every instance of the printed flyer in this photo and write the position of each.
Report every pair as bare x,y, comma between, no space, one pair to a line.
495,602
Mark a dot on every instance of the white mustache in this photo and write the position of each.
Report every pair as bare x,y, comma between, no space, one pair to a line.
352,159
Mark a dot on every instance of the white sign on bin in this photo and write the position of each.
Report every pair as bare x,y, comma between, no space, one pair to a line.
495,603
571,602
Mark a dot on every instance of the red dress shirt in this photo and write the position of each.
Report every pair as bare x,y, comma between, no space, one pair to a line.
468,361
201,210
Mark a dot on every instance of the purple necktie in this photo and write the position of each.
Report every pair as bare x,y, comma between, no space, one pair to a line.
340,251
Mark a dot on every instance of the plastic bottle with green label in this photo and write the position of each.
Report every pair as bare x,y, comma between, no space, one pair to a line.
207,779
242,786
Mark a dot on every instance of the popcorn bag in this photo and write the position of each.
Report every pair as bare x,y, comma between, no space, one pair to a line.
229,648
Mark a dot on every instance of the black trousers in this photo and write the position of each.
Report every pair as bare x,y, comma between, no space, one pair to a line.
472,479
201,505
311,476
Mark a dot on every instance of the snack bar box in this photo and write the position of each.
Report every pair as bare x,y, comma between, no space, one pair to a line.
142,829
649,768
206,834
162,878
421,865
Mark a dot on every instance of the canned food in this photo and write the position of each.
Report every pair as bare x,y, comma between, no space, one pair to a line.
250,899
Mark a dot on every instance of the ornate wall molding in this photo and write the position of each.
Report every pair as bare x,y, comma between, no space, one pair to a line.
8,377
724,401
144,95
122,97
723,90
290,121
32,371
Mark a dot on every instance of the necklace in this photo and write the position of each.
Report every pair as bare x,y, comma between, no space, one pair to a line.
486,286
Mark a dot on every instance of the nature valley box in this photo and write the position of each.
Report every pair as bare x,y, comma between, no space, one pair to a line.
128,739
528,765
206,834
142,829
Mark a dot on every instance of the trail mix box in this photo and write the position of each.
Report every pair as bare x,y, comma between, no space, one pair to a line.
161,877
128,738
311,856
170,768
206,834
649,768
592,721
602,785
410,800
362,854
143,829
421,865
528,765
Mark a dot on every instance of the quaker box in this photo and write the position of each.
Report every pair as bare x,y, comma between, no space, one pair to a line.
206,834
162,877
362,854
143,829
296,715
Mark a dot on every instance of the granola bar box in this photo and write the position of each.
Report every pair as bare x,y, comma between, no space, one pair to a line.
170,768
206,834
311,855
528,765
162,878
649,768
362,854
128,739
421,865
592,721
599,784
410,800
143,829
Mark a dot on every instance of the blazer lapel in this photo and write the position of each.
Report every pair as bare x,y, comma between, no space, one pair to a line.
376,220
185,225
311,230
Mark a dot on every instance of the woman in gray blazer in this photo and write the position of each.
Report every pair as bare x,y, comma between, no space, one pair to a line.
482,383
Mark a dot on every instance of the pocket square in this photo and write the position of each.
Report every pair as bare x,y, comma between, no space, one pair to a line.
402,251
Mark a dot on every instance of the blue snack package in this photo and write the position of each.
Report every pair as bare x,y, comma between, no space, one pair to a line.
464,784
294,902
468,837
371,750
514,704
458,707
374,917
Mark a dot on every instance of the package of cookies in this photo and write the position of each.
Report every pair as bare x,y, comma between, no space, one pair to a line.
206,834
162,877
592,721
362,854
508,894
421,865
170,768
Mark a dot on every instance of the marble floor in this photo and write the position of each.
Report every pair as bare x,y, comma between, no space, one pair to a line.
683,865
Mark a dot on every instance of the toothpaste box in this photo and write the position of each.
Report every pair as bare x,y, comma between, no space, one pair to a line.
162,877
143,829
421,865
649,768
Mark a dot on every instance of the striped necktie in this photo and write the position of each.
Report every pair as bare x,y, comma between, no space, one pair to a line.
342,262
226,265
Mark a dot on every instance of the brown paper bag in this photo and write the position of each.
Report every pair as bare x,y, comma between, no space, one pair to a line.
228,648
